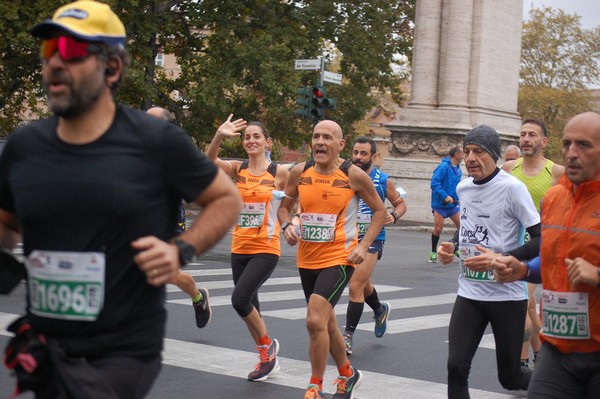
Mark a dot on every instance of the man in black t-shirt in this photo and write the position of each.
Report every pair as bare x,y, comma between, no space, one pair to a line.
92,192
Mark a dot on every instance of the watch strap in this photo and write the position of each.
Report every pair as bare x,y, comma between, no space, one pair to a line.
187,252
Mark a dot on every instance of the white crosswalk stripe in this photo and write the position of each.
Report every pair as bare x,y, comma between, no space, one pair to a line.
275,296
395,326
234,363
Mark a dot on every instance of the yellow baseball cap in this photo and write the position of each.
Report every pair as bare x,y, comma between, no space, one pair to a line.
86,20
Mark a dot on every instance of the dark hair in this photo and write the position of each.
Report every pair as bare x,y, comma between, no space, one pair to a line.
540,123
454,151
366,140
109,52
261,126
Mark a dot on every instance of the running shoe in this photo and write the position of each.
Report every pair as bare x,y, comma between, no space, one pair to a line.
202,309
268,362
381,320
432,257
313,392
348,342
346,386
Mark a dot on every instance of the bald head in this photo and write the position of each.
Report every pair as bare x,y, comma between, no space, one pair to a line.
581,148
160,113
590,119
330,127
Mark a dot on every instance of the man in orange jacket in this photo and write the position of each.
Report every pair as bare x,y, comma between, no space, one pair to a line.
568,364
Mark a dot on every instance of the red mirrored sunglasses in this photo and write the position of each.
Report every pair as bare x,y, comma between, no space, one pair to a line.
68,47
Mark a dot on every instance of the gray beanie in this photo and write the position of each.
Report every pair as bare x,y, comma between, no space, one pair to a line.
485,137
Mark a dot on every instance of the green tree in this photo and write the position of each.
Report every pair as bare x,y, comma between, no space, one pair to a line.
559,62
236,56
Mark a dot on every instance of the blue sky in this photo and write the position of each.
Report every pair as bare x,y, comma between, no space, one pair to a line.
589,10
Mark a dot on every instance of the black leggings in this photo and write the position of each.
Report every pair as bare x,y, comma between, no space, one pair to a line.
249,273
467,324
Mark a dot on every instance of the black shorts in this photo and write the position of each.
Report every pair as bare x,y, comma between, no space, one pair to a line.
376,247
328,282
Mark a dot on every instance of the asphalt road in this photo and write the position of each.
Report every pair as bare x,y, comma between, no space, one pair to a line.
408,362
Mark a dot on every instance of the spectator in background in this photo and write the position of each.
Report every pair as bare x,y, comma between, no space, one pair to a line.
512,152
444,201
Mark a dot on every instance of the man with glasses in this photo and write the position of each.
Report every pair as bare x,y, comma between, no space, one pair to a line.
93,193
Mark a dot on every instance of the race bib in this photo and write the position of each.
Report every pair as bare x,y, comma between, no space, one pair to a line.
66,285
252,215
317,227
565,314
467,251
363,221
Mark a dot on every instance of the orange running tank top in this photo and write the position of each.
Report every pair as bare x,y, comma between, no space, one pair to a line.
328,219
257,228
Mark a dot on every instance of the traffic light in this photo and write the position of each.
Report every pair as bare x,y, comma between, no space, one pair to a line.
317,109
320,102
303,99
329,103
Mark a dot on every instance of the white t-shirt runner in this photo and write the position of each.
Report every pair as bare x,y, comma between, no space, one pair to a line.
492,215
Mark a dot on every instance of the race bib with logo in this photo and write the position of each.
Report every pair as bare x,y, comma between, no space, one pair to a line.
565,314
252,215
363,221
66,285
467,251
317,227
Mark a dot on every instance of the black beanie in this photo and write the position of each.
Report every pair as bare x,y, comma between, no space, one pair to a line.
485,137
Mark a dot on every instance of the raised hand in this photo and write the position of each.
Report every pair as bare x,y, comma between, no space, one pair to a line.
231,128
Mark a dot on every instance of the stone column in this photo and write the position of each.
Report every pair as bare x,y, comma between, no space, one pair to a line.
426,54
455,59
465,73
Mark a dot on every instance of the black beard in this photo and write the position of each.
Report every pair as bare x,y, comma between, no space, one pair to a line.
365,166
80,98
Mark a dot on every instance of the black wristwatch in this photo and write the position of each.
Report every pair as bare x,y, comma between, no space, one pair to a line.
285,225
187,252
395,216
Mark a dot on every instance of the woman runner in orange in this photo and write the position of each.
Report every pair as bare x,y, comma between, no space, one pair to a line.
255,247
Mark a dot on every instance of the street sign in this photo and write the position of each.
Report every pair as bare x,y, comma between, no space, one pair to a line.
332,77
308,64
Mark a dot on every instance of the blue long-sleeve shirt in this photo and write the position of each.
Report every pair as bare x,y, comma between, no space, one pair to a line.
443,183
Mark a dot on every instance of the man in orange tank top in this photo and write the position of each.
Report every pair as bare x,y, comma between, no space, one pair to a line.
328,189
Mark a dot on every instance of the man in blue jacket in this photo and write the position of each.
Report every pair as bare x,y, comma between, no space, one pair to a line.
444,201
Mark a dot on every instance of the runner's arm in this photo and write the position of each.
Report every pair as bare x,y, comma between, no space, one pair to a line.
396,200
